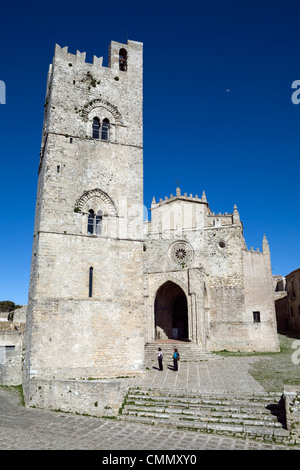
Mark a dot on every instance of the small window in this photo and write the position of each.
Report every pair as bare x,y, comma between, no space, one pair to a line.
256,317
98,225
91,282
96,128
90,228
94,225
123,60
10,348
105,130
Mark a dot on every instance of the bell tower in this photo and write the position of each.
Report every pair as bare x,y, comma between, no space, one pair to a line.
85,307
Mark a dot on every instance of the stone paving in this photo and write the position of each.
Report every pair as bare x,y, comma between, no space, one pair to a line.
216,374
35,429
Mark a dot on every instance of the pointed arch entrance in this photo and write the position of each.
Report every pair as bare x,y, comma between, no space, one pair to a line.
171,312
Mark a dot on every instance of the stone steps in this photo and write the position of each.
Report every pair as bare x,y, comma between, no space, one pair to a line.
258,417
188,352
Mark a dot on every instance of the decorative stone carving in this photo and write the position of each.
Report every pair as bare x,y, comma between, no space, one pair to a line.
181,254
95,193
103,103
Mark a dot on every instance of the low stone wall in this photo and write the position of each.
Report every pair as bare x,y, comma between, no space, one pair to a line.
11,352
94,397
291,396
11,363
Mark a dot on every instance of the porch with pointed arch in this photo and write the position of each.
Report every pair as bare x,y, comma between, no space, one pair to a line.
171,313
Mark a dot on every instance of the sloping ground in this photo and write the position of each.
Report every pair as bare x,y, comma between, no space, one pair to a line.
273,371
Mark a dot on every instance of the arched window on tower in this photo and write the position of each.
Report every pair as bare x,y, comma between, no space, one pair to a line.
98,226
105,130
96,128
123,60
90,227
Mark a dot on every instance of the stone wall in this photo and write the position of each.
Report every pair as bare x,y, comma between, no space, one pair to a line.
282,313
259,301
85,312
95,397
11,367
291,397
225,289
293,294
287,301
11,352
224,282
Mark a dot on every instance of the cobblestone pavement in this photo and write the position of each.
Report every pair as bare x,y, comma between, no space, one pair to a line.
34,429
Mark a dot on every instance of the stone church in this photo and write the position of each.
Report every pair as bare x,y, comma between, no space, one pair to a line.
201,282
103,282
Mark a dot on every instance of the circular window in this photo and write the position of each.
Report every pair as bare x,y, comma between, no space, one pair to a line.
222,244
181,254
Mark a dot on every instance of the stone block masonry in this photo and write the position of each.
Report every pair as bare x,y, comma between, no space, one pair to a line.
291,396
85,314
201,281
95,397
103,282
11,351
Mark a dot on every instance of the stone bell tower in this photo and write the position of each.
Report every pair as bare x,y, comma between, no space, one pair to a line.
85,308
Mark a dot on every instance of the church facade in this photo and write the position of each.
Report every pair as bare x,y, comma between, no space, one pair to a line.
202,283
103,282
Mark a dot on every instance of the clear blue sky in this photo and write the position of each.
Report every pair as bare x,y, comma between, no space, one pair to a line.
218,114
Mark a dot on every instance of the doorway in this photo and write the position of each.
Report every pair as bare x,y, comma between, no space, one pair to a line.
171,312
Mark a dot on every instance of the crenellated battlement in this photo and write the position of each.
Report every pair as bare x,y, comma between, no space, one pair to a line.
63,53
121,56
192,211
78,92
179,196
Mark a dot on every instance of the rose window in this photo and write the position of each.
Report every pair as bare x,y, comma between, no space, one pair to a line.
181,254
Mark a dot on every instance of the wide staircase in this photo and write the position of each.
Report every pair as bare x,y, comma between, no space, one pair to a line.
188,352
258,417
247,415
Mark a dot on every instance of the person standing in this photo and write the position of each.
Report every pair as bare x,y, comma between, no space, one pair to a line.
160,359
175,359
